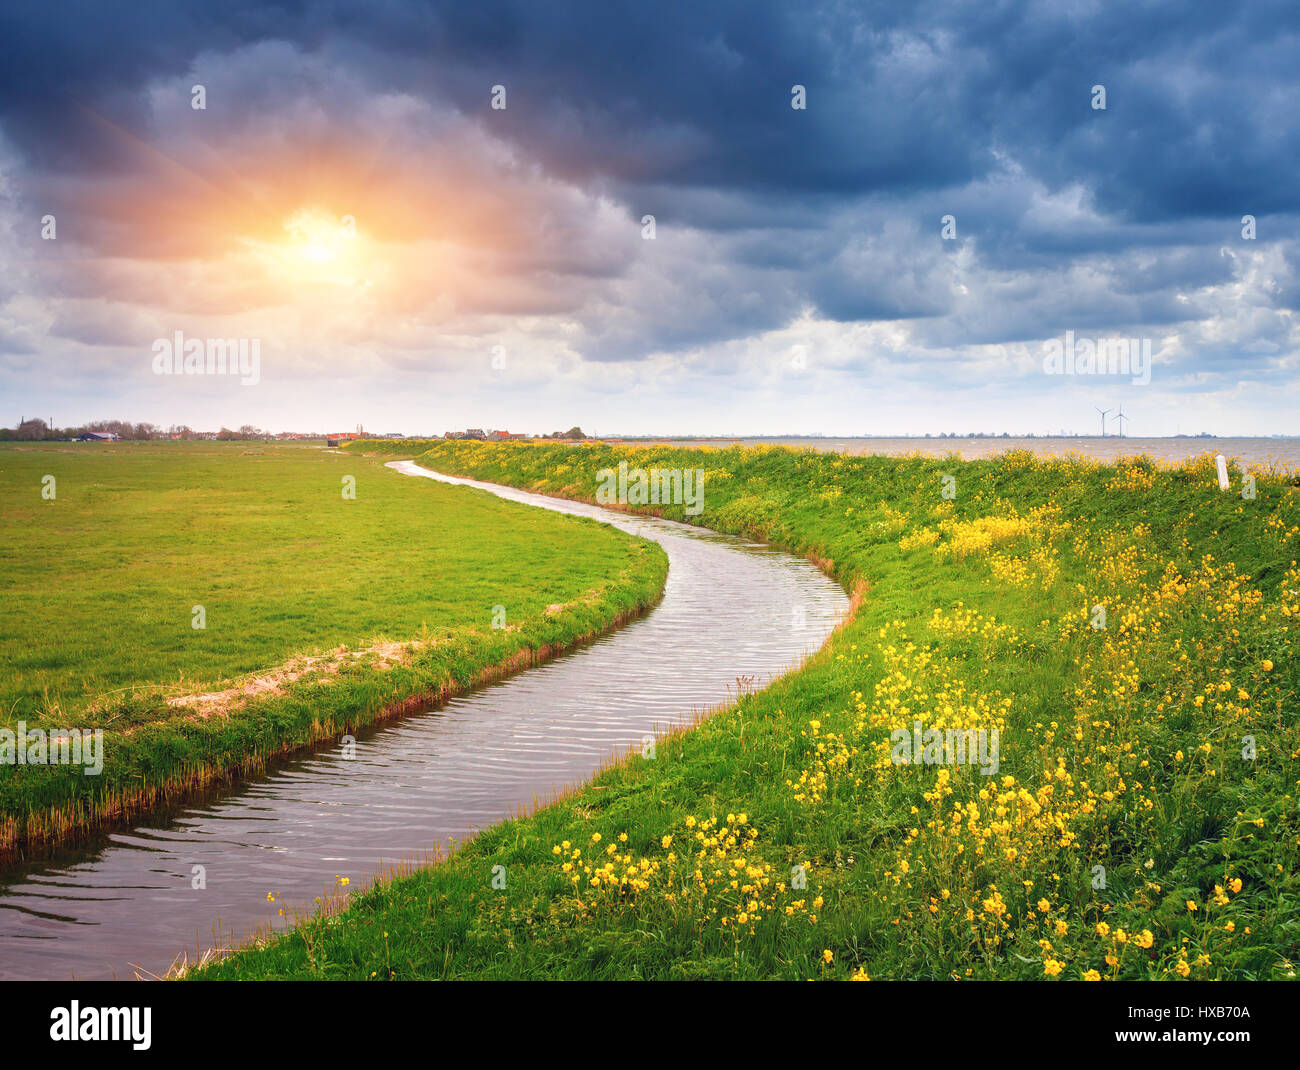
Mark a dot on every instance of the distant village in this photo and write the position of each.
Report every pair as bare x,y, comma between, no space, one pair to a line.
37,430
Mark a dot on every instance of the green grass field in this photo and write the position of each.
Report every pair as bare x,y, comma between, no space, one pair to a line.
392,591
1142,822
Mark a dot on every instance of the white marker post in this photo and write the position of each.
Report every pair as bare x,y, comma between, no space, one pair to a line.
1223,471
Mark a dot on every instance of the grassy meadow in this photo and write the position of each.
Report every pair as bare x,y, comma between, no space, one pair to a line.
1129,630
320,613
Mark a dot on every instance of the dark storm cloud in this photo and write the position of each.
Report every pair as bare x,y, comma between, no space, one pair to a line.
1200,118
69,66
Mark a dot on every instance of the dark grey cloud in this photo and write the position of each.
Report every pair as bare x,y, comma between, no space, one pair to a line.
1201,96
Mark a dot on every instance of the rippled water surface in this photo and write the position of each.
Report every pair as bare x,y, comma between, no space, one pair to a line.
732,609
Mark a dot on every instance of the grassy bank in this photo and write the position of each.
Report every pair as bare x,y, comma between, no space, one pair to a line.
211,606
1142,822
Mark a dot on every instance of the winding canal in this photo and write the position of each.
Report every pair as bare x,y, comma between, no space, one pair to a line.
125,903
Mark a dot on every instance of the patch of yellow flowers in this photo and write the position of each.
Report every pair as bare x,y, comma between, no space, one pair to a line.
1165,645
710,871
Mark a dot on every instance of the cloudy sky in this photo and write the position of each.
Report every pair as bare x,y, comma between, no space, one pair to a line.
431,215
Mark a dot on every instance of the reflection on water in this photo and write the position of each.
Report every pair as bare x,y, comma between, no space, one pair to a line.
732,609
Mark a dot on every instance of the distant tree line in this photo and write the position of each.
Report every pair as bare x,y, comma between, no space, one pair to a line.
40,431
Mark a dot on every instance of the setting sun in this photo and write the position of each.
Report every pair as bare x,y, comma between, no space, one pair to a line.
313,247
318,238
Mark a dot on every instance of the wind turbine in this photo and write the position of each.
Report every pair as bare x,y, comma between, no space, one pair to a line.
1103,420
1121,418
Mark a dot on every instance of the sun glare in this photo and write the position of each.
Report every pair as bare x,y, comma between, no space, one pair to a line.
317,238
318,251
